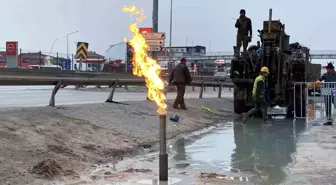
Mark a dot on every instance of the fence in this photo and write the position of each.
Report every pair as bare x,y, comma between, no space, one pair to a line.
28,77
318,98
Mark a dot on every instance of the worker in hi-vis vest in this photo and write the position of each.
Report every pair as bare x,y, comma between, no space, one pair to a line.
259,95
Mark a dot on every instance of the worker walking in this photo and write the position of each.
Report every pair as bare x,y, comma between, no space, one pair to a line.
329,76
259,95
244,33
180,77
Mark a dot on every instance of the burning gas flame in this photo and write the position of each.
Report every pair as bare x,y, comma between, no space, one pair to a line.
143,65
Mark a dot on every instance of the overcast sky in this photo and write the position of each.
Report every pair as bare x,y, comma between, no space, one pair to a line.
35,24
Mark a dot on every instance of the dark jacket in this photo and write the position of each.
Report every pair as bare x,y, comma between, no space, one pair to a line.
244,26
328,77
180,75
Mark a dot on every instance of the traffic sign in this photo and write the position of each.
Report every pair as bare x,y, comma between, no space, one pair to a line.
154,36
82,50
155,48
155,42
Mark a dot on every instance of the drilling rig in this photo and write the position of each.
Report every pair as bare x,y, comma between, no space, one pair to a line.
288,64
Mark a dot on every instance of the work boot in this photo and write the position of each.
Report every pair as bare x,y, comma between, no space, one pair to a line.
329,122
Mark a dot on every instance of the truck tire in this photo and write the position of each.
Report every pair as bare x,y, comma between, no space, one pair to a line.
239,106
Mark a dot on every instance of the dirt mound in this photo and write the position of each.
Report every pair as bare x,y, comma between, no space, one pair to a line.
47,169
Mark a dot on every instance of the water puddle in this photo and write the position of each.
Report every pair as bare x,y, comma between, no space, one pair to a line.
251,152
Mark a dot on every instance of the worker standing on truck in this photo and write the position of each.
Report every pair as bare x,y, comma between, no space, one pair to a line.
244,34
180,77
259,95
329,76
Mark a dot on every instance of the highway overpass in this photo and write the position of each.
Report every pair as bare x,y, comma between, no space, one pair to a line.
319,54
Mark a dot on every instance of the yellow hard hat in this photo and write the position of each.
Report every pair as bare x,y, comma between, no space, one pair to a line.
264,70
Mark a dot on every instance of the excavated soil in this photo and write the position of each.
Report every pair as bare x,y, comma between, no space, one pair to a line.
41,144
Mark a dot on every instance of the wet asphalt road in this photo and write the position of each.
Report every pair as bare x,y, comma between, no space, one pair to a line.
16,96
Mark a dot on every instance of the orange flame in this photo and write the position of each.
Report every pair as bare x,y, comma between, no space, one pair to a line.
143,65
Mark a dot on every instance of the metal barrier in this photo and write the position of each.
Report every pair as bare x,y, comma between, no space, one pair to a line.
318,98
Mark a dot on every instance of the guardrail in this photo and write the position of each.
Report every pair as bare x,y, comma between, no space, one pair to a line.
80,74
26,77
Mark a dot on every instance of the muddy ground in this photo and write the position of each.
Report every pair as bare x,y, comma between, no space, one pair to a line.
315,161
44,143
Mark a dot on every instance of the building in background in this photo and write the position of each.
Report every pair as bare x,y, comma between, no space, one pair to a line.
181,52
185,51
94,62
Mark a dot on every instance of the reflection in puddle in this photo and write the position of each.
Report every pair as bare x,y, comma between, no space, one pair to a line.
249,152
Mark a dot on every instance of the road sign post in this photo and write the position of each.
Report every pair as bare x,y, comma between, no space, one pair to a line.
82,52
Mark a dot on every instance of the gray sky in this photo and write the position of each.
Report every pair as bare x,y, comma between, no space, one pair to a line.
35,24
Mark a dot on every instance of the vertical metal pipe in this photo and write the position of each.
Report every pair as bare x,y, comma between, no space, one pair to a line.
170,65
270,20
155,16
126,58
301,99
67,45
201,90
72,62
163,160
294,101
220,90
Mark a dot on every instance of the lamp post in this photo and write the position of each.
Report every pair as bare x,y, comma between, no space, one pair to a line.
68,41
52,46
111,46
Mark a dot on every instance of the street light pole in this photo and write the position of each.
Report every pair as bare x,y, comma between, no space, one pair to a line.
52,46
68,41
